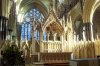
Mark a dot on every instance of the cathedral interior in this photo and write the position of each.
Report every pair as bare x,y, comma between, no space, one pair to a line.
52,32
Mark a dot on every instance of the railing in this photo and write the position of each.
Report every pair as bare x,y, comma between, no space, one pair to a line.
52,46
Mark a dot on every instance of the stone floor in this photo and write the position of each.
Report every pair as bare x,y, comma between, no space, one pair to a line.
50,64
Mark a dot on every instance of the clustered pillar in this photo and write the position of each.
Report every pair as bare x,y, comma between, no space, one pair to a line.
3,27
88,31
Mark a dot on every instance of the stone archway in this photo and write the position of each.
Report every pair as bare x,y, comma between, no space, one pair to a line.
96,23
94,8
93,14
78,28
88,11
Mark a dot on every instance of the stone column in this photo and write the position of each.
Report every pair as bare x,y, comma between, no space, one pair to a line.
0,27
47,36
33,43
1,7
54,5
4,28
88,31
63,42
41,41
54,36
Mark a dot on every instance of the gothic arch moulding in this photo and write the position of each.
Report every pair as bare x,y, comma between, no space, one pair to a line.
78,20
95,18
78,27
88,10
52,20
95,6
78,17
75,12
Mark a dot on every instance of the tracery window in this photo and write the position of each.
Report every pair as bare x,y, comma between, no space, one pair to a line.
44,36
36,35
26,31
34,15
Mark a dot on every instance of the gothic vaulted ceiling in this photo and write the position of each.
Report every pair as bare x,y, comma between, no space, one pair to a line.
42,5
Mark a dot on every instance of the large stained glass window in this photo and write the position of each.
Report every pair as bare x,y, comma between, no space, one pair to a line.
34,15
26,29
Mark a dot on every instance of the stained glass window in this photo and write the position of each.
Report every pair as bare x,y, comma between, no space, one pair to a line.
34,15
44,36
26,31
36,34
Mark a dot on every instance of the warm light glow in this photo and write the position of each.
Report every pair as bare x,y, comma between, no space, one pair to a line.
92,32
15,1
18,5
74,36
84,38
61,1
21,9
20,18
17,8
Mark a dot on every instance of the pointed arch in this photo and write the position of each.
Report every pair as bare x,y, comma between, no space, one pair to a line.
78,27
95,6
53,22
78,17
89,8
